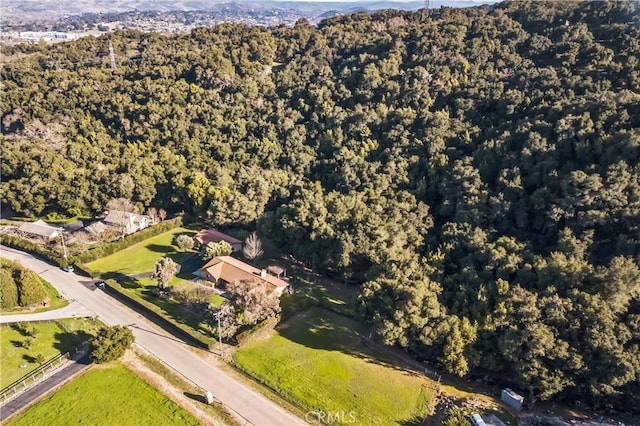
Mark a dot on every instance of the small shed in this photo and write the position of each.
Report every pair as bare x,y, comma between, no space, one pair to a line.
512,399
277,271
477,420
207,236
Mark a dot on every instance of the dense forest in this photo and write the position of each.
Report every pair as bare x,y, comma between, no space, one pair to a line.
475,171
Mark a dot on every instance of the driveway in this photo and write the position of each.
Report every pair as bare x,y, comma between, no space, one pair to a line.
247,403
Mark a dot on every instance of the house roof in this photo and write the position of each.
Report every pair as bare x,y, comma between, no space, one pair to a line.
207,236
74,226
39,227
122,218
231,270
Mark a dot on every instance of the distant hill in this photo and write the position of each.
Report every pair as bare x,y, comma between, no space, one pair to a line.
39,10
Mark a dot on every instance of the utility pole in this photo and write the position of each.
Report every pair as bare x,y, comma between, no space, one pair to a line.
112,56
64,246
219,334
427,8
217,314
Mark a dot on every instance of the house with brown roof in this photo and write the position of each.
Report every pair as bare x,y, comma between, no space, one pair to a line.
207,236
224,270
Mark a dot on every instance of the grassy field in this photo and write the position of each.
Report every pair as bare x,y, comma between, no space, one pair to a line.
51,339
216,410
319,361
142,287
141,257
109,395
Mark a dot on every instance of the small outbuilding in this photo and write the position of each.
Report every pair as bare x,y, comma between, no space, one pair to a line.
512,399
41,229
207,236
126,222
477,420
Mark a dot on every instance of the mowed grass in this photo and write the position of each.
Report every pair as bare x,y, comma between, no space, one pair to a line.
142,257
143,288
52,338
319,361
109,395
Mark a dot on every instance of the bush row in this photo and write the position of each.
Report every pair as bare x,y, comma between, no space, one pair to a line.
157,315
115,246
28,246
256,331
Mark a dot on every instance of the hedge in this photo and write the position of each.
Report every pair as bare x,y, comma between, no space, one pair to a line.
28,246
248,335
94,253
115,246
157,315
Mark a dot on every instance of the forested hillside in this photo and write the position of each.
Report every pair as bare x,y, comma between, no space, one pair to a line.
475,171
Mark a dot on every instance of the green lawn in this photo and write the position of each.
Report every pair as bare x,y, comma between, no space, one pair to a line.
318,360
52,338
143,288
109,395
141,257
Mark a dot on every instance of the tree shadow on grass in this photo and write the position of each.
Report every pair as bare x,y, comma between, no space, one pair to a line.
124,280
160,248
192,263
16,343
67,341
30,359
20,328
196,397
322,329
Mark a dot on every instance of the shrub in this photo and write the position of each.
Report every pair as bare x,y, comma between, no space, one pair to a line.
212,250
185,242
28,246
111,343
8,290
30,288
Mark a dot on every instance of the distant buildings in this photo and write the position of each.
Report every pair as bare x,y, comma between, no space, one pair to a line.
36,36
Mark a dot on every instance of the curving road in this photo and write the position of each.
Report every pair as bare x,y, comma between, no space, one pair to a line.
72,310
248,404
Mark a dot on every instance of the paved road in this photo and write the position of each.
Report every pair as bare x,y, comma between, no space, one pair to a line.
249,404
24,399
72,310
